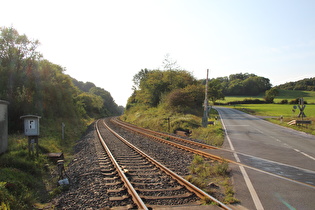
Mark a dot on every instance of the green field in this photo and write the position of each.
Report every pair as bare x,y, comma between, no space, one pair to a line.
308,96
272,113
276,110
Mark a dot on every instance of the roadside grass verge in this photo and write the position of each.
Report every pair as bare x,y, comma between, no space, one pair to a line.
213,177
157,119
26,182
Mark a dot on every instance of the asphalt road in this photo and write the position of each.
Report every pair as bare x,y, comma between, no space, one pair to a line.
285,159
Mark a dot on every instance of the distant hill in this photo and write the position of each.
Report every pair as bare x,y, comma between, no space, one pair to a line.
109,105
304,84
243,84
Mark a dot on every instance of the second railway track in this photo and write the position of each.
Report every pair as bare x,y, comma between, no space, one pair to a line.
192,146
153,183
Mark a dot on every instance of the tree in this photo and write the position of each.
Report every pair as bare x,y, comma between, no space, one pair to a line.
157,83
17,58
255,85
304,84
18,67
109,107
215,90
270,95
245,84
235,87
188,99
179,99
169,63
140,76
92,103
84,86
240,76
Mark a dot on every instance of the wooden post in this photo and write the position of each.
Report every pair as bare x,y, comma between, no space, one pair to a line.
205,110
33,146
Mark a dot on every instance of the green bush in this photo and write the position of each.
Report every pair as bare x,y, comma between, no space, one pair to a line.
5,196
16,192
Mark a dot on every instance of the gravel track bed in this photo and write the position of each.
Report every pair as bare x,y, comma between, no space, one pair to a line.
175,159
88,185
88,190
119,151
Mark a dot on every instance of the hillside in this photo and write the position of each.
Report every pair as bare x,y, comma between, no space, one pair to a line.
34,85
307,84
289,91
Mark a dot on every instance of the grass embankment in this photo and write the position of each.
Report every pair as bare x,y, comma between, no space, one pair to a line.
26,181
157,119
211,176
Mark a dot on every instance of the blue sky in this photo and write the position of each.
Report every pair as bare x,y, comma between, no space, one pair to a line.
108,42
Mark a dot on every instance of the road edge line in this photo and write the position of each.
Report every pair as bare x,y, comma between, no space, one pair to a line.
249,184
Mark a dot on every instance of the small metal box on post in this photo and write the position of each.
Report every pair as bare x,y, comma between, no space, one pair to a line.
31,129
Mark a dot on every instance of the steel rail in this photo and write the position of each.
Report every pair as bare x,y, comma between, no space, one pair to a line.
122,123
192,188
180,146
135,196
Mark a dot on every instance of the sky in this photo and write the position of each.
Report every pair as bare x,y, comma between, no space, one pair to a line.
108,42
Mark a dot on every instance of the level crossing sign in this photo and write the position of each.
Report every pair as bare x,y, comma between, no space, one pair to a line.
301,108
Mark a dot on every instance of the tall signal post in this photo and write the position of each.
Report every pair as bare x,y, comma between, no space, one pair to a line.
205,105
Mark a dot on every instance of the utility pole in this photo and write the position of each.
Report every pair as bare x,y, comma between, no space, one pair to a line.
205,105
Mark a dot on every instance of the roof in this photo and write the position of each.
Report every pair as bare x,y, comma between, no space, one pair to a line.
30,116
4,102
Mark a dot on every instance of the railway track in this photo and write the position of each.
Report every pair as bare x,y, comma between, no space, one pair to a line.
191,143
181,143
136,180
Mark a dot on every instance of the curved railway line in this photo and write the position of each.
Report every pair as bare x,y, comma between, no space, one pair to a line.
139,181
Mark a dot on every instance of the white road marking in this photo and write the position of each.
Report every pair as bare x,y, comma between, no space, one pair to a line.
251,189
249,184
237,125
289,146
307,155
